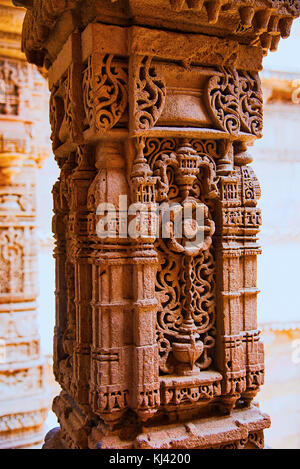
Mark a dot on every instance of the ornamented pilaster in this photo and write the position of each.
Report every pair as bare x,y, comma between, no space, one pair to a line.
23,399
158,323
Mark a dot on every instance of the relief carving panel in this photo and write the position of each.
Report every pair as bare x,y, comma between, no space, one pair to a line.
235,102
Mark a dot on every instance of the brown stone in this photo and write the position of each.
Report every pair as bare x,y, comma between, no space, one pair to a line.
156,341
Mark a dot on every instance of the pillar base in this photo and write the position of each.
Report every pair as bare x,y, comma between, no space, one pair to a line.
241,430
53,440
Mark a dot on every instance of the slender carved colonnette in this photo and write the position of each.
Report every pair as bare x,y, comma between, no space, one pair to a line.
154,329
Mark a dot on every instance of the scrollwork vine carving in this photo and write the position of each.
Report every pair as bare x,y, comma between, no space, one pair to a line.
223,101
235,102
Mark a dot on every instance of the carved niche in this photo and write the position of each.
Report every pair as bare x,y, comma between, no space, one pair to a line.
179,352
9,89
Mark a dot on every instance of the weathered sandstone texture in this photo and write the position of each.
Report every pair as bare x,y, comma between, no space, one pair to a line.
156,342
23,400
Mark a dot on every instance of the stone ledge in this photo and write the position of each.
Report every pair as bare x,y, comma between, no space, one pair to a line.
205,433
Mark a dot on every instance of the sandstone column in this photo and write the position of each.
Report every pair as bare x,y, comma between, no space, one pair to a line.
156,341
23,399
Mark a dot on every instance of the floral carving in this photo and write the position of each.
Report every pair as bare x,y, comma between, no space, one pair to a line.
181,394
56,113
11,261
105,91
171,288
149,93
235,102
9,90
251,103
185,282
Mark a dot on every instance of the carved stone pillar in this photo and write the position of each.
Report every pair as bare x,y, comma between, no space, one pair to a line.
23,400
156,340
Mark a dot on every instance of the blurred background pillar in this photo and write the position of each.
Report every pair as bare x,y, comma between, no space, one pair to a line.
277,165
24,402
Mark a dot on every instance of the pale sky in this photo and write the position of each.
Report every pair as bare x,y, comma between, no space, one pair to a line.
287,57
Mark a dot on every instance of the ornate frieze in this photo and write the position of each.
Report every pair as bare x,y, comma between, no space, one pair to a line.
189,392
